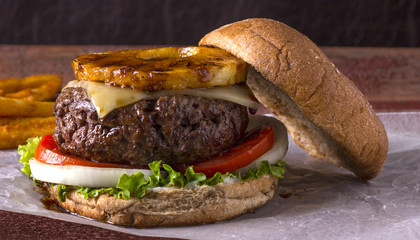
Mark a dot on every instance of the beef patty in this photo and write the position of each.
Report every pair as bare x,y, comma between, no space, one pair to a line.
175,129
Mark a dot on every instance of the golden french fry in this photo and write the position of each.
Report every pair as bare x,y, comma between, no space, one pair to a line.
46,91
20,120
16,84
37,87
10,85
15,131
22,114
10,107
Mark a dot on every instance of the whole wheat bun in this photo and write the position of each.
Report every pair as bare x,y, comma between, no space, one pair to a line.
187,206
322,109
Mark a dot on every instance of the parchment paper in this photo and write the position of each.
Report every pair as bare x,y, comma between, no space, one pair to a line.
314,201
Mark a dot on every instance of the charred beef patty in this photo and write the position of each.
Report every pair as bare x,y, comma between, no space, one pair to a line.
175,129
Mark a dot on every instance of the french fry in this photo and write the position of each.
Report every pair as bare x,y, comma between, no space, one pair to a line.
22,112
11,85
10,107
37,87
4,121
16,84
46,91
15,131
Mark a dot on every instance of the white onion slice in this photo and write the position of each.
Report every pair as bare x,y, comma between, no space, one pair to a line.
81,175
281,143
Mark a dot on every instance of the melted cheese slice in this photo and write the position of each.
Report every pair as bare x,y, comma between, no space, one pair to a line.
107,98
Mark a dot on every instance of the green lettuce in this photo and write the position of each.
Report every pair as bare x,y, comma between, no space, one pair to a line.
136,185
27,152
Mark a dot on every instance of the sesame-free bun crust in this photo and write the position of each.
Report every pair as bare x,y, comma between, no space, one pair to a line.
187,206
321,108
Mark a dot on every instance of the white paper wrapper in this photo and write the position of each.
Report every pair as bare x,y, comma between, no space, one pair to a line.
315,200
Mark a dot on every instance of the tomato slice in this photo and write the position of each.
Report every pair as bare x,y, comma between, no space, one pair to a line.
255,144
48,152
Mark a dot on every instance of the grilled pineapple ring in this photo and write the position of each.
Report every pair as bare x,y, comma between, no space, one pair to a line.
168,68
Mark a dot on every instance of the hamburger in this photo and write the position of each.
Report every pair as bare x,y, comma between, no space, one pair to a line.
159,137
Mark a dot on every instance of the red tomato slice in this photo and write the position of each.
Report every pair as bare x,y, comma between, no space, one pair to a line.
255,144
48,152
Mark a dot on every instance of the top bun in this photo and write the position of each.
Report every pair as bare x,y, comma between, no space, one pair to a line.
322,109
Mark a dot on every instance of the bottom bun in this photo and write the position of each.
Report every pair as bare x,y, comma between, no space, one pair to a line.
171,207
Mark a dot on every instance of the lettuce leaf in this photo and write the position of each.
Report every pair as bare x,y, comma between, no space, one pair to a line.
135,185
174,178
27,152
265,168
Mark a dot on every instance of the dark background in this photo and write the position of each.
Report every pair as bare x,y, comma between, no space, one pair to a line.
376,23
